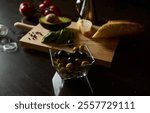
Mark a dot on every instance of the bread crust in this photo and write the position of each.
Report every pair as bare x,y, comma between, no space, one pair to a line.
118,28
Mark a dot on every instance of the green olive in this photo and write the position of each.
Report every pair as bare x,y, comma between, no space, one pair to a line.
81,47
62,70
57,61
84,63
63,60
69,67
78,61
75,49
60,65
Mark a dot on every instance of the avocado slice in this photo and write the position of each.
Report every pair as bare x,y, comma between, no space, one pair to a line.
64,22
45,38
62,37
70,34
56,36
50,37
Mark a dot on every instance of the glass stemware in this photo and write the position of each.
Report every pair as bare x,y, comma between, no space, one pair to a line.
79,71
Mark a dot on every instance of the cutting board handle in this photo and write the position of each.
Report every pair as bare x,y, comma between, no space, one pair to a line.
23,26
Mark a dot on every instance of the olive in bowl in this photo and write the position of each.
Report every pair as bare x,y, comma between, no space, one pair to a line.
71,66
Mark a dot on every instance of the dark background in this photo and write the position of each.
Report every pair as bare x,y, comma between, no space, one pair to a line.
29,72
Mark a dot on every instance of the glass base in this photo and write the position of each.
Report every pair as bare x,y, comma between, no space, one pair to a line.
79,86
58,84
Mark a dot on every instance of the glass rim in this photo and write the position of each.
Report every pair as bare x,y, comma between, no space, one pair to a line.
54,48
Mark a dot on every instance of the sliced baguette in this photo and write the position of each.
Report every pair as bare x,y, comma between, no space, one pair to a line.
117,28
85,26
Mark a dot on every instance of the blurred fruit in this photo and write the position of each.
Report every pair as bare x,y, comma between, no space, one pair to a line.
83,55
78,61
54,9
46,7
60,65
62,54
77,54
46,12
69,67
84,63
71,60
47,2
62,70
42,7
75,49
81,47
27,9
63,60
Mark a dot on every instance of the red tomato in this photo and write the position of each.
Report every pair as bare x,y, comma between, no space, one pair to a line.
26,9
42,7
47,2
46,12
54,9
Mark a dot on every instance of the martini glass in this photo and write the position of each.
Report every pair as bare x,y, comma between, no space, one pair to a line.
78,72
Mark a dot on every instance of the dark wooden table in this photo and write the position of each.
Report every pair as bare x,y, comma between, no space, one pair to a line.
29,73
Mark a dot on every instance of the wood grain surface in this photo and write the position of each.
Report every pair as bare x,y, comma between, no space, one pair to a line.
103,50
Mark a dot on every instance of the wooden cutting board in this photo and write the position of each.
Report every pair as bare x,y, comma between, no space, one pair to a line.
103,50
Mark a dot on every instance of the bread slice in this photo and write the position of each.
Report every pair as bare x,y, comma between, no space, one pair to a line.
85,26
117,28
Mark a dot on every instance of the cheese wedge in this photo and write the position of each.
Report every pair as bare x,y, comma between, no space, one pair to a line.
117,28
85,26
